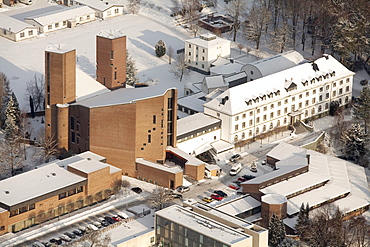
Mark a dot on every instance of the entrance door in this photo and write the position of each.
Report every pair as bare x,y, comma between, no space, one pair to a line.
172,185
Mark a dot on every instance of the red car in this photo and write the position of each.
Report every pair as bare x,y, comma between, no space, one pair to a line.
116,218
242,179
234,186
216,197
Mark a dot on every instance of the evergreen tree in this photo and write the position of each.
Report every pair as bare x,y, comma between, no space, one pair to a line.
302,224
131,70
276,231
160,48
354,142
12,118
5,93
362,106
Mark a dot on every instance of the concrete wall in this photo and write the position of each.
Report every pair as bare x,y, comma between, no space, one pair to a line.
143,240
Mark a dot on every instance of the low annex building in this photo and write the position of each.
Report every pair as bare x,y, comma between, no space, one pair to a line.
59,19
103,9
304,176
55,189
16,30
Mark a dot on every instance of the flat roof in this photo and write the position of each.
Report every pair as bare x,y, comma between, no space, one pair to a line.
173,169
194,122
191,160
88,166
284,150
98,4
193,101
203,225
61,15
35,183
110,34
208,43
13,25
122,96
239,205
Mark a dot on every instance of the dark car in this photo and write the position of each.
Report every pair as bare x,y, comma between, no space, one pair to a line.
220,192
176,196
116,218
182,189
137,190
65,238
71,235
56,241
242,179
235,157
109,220
103,222
248,177
216,197
77,233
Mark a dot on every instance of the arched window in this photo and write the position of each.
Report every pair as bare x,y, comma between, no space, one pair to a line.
319,110
257,130
326,106
346,99
278,123
285,120
271,125
250,133
340,101
264,128
236,138
313,111
243,135
306,113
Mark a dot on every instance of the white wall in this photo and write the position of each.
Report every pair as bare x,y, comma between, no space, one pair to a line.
139,241
24,34
111,12
191,144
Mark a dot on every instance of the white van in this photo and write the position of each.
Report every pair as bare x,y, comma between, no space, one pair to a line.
28,2
235,169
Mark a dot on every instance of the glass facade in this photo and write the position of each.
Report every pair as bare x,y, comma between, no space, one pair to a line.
175,235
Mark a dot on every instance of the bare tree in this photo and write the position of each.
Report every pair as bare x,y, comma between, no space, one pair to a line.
191,11
169,54
35,89
48,147
241,47
237,9
125,185
179,67
133,6
358,232
159,198
93,239
258,18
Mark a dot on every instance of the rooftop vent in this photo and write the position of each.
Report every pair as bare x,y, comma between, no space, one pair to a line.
7,192
315,67
224,99
88,158
325,56
53,173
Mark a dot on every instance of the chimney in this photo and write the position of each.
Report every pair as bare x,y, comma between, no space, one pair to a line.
308,158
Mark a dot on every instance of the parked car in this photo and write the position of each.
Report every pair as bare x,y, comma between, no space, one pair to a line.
216,197
70,235
237,182
242,179
109,220
235,157
253,168
97,224
263,162
103,222
37,244
56,241
122,215
234,186
77,232
207,199
137,190
248,177
47,244
235,169
221,193
65,238
183,189
116,218
176,196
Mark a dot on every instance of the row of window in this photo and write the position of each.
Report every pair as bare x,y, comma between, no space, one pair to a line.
277,93
203,50
70,193
22,34
64,23
199,134
300,105
22,210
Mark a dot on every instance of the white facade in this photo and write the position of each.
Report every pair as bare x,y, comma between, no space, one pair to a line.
103,9
16,30
280,99
68,17
200,52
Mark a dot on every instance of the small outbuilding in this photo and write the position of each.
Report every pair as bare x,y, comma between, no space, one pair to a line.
16,30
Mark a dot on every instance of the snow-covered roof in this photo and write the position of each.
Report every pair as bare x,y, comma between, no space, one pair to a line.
87,87
98,4
193,101
202,224
239,205
215,41
13,25
35,183
190,160
173,169
76,158
61,15
214,81
194,122
226,69
283,150
220,61
277,63
237,95
212,167
111,34
236,76
273,199
221,146
89,166
122,96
